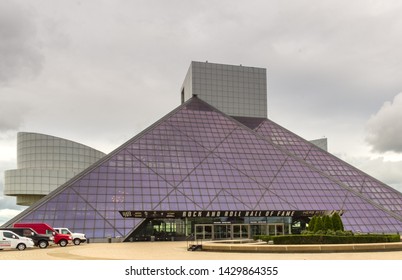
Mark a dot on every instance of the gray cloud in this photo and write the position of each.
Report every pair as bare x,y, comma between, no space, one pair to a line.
11,115
19,51
7,202
384,129
325,62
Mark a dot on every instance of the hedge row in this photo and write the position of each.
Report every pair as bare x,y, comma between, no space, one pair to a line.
329,239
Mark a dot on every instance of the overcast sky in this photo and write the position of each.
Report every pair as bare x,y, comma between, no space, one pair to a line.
98,72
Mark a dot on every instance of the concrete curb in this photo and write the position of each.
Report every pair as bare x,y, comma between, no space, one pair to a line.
326,248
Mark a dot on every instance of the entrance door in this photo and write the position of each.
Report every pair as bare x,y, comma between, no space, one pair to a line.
259,229
203,231
240,231
208,231
279,229
276,229
222,231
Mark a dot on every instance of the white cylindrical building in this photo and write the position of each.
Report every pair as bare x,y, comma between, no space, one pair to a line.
45,162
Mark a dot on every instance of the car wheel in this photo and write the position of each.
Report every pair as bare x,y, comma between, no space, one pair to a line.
63,243
43,244
77,241
21,246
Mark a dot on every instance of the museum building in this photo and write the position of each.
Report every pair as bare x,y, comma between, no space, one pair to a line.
45,162
216,168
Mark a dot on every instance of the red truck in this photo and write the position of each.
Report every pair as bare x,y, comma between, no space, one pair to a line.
42,228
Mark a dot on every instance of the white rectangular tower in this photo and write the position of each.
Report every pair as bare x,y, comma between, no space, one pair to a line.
235,90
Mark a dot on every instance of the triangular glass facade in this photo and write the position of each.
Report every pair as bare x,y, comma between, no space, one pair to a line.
372,189
199,160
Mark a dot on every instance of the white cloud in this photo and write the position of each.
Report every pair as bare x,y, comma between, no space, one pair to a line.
7,214
385,127
388,172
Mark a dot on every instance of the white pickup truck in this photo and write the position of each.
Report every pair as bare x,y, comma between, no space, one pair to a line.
78,238
9,239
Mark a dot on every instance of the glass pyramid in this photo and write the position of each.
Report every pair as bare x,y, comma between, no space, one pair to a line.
198,159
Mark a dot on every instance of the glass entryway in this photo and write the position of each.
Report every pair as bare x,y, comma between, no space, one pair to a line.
258,229
203,231
267,229
240,231
276,229
221,231
236,231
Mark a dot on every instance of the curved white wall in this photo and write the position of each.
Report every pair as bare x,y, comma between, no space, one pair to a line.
45,162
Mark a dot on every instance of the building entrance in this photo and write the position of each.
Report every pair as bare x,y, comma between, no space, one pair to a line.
236,231
209,228
203,231
240,231
221,231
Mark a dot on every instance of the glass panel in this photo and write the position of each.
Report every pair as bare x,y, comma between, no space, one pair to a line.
258,230
222,232
236,231
279,230
271,230
208,232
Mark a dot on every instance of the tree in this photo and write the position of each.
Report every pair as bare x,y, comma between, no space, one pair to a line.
337,222
318,225
327,221
311,224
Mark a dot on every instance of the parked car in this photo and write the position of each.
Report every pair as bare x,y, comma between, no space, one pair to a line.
9,239
42,228
40,240
78,238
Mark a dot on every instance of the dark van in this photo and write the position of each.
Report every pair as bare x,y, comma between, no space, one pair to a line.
40,240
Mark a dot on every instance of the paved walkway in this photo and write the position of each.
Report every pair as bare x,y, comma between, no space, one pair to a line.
173,251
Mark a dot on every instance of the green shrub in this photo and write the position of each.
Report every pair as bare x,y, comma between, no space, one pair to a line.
311,224
337,222
327,221
319,225
265,238
331,232
257,237
348,233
